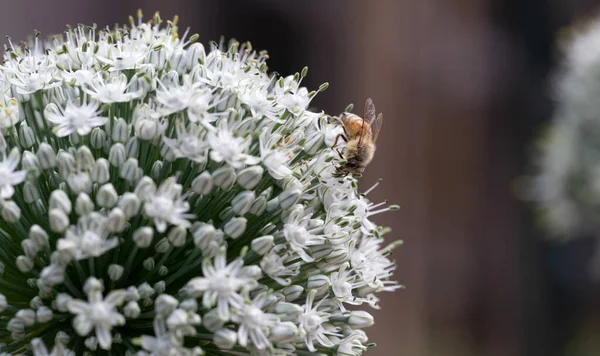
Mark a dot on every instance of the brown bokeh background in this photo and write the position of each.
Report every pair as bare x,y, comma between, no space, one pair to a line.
464,86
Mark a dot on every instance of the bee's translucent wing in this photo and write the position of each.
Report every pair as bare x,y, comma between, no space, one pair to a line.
376,126
369,114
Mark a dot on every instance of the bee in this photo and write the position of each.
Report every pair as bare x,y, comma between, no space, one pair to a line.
360,135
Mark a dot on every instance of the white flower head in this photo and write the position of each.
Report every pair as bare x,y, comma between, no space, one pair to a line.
9,176
226,147
160,198
80,119
98,314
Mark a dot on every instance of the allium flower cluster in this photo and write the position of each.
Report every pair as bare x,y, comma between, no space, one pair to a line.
158,199
568,185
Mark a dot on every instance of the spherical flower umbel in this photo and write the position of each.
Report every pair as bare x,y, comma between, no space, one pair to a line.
160,199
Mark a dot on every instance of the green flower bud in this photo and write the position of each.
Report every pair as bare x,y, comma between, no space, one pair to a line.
225,338
202,184
143,236
10,211
107,196
83,204
101,172
235,227
117,155
248,178
46,156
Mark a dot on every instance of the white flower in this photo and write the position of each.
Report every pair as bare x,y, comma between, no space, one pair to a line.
225,147
98,313
254,322
74,119
87,239
299,238
167,205
9,113
199,105
190,142
260,104
175,98
34,73
275,159
311,323
111,90
164,343
39,349
221,284
8,176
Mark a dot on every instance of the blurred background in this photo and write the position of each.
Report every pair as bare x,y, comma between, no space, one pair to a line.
464,86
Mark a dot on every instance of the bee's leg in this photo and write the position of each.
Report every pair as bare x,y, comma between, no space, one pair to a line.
340,153
337,138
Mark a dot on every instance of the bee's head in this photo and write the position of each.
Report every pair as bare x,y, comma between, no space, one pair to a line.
352,166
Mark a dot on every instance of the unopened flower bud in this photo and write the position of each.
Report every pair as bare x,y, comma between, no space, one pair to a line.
30,164
145,188
160,287
157,170
129,170
107,196
83,204
26,136
130,204
38,235
44,314
84,159
162,245
143,236
285,331
60,200
117,155
242,202
46,156
98,138
31,192
10,211
203,183
235,227
249,177
224,177
225,338
115,272
263,244
318,282
116,221
212,321
360,319
165,304
177,236
3,303
288,198
258,206
61,301
120,131
27,316
80,182
203,233
24,264
66,163
292,292
132,310
30,248
101,172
